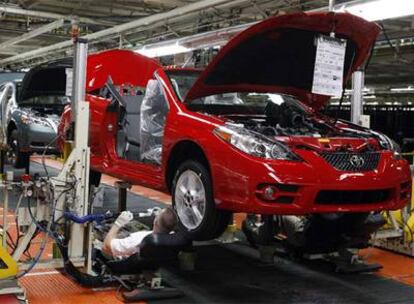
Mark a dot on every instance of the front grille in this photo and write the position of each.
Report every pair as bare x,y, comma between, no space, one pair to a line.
355,162
344,197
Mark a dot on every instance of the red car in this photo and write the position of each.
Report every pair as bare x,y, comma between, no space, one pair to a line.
245,134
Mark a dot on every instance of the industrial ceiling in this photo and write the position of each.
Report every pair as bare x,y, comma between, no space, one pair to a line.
35,31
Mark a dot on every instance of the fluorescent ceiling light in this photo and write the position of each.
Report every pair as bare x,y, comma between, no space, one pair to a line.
162,50
408,89
375,10
214,39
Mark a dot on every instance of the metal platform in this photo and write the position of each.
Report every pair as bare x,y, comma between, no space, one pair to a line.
13,288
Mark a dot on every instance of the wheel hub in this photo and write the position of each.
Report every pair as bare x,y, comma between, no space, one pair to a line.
190,201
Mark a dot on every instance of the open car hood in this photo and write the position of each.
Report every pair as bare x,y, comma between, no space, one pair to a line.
123,66
46,79
278,56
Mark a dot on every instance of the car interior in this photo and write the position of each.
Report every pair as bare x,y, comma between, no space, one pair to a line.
141,121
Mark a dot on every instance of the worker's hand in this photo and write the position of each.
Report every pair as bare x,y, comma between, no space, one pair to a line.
124,218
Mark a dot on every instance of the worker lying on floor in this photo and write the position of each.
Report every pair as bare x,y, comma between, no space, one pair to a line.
164,222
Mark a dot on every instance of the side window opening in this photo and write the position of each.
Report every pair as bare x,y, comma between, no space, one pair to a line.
141,118
127,100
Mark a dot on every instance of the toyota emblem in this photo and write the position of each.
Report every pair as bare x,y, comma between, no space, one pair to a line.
357,161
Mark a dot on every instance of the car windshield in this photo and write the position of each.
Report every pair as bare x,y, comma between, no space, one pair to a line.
182,81
251,103
45,101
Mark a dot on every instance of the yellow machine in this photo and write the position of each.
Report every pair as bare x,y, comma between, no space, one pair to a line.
398,233
8,266
405,223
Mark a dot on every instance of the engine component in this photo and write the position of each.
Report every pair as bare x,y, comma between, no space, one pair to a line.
313,234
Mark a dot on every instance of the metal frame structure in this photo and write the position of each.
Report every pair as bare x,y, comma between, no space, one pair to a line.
357,99
76,168
204,14
34,33
117,30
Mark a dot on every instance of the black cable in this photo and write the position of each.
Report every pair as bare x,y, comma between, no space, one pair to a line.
18,233
339,106
409,229
82,278
371,52
396,51
42,247
44,153
26,251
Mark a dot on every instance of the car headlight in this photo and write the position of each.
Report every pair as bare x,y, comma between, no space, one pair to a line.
254,143
27,120
388,144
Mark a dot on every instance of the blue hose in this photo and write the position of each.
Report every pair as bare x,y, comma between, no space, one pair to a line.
87,218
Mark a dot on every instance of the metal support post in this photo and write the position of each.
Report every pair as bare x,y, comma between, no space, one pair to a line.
122,195
80,115
331,5
79,75
356,97
229,235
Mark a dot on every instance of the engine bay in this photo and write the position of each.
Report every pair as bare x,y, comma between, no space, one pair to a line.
305,130
283,120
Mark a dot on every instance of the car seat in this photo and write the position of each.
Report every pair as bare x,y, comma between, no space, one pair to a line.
131,126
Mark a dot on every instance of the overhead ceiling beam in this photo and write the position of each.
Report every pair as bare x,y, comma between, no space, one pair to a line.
8,53
177,12
142,22
34,33
8,9
103,9
27,3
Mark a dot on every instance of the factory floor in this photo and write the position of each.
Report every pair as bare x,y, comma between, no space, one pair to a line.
231,273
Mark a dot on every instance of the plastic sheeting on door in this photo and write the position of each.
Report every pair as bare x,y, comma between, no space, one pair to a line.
154,110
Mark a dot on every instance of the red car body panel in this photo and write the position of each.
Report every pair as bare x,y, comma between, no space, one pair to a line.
237,176
109,63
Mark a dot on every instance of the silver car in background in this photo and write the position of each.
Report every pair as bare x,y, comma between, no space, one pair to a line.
30,113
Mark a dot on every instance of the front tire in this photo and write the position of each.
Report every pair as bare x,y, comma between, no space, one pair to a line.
192,198
15,157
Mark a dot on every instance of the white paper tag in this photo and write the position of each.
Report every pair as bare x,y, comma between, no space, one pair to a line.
329,66
69,81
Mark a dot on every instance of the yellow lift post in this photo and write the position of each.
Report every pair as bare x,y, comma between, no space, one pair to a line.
8,266
398,233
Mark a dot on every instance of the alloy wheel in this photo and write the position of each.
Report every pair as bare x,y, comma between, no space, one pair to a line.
190,199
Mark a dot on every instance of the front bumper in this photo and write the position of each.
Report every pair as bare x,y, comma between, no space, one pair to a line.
311,186
38,138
